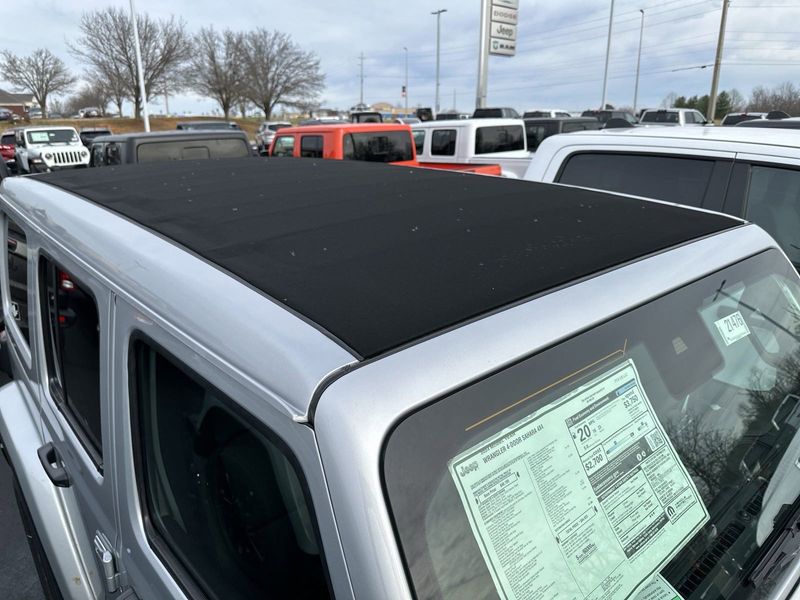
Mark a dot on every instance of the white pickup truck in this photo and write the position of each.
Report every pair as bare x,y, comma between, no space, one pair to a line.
42,149
475,141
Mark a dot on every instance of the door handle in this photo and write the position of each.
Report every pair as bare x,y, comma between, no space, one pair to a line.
51,461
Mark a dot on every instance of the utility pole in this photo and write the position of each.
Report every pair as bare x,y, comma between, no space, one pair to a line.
406,86
712,98
483,56
638,62
438,14
361,97
142,91
608,52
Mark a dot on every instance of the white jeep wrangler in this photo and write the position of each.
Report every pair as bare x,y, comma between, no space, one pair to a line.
42,149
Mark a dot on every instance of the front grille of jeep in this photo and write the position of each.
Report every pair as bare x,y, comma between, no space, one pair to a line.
66,158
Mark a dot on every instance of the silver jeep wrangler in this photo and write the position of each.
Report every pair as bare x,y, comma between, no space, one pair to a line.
381,382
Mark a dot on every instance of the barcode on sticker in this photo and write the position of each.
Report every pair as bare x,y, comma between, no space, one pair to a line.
732,328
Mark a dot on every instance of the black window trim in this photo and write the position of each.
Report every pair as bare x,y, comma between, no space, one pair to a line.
182,575
25,344
712,187
53,387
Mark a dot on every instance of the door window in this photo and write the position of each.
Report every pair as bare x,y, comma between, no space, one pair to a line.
675,179
18,277
773,203
284,146
419,140
71,328
224,498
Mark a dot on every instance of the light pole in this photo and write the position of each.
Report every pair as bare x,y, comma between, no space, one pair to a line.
712,98
142,91
483,56
438,14
638,62
406,86
608,52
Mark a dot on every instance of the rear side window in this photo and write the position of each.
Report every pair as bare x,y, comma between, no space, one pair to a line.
192,150
443,142
675,179
499,139
18,277
7,140
379,146
224,499
71,327
773,202
311,146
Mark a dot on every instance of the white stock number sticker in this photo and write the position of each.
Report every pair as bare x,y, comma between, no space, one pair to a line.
732,328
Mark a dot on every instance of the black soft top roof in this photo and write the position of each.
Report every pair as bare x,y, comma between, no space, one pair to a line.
380,255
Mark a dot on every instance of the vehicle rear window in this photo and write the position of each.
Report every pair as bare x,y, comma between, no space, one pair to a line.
311,146
502,138
773,200
443,142
650,450
379,146
660,117
8,139
277,127
536,114
192,150
675,179
570,126
734,119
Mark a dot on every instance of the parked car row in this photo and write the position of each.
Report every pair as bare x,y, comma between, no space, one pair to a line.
377,381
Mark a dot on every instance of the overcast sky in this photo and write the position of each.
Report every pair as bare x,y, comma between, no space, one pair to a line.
559,62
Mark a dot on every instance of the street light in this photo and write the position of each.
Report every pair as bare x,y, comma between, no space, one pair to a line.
405,87
608,53
638,62
438,14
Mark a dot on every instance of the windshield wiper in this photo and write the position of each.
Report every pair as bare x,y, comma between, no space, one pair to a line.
781,547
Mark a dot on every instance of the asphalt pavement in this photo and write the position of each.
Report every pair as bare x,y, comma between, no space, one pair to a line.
18,577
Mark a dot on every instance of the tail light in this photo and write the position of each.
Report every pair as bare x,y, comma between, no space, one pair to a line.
64,282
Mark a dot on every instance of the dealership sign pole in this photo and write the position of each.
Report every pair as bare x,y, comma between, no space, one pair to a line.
142,91
498,37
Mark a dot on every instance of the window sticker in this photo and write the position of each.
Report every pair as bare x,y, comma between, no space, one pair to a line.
39,137
732,328
584,499
658,589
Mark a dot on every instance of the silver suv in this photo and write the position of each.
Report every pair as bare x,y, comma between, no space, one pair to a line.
389,383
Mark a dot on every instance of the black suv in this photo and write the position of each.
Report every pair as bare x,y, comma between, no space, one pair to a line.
495,113
157,146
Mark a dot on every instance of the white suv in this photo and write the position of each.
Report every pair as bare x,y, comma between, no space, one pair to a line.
676,117
42,149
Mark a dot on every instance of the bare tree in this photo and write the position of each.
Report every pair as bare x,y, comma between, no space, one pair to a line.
42,73
737,100
93,94
279,71
216,67
107,47
785,97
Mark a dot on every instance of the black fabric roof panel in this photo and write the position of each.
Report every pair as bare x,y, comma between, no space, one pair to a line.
382,255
